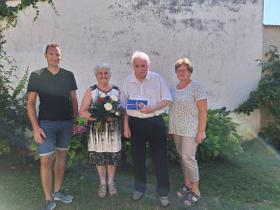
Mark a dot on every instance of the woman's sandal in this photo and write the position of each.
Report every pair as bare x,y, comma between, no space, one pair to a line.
112,189
183,192
192,199
102,191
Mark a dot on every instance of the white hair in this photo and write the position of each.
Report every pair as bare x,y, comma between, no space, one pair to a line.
141,55
100,66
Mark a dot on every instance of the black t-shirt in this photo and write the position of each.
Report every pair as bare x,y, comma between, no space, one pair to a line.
54,93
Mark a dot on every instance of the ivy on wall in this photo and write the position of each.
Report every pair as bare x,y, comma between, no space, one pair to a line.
9,14
267,95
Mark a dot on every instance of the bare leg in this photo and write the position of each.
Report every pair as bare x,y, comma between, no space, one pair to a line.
102,174
111,173
59,169
111,184
46,175
195,188
187,182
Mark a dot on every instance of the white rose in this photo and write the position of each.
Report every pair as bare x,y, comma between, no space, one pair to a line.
108,106
117,113
102,95
114,98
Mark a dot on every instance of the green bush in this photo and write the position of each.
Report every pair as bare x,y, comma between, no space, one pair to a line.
77,153
4,148
222,139
272,134
172,154
8,94
267,96
13,116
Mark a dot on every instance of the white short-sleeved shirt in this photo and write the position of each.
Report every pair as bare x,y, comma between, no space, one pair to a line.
183,115
153,89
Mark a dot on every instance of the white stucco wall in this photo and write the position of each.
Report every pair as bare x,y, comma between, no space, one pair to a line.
223,38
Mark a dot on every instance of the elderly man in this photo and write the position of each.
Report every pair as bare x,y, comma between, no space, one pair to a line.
56,88
145,96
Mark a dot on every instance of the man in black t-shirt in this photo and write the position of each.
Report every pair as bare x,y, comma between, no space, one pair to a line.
53,128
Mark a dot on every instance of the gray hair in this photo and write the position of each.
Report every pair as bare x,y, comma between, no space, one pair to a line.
141,55
100,66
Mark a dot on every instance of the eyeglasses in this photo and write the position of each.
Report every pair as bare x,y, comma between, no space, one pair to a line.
181,71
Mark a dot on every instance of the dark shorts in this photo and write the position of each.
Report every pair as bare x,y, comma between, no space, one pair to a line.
58,136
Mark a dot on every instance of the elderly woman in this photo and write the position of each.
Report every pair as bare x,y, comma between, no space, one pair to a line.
187,125
104,146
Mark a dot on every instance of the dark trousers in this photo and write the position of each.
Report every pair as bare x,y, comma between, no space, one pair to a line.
151,130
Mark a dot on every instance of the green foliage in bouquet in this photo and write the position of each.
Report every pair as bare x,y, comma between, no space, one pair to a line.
104,108
267,96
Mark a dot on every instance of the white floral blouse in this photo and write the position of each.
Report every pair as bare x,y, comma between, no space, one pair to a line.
183,115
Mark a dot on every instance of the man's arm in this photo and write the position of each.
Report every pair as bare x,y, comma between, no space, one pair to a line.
74,104
38,132
166,99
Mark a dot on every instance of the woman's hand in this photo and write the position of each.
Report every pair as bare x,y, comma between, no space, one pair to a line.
109,119
200,137
92,119
126,131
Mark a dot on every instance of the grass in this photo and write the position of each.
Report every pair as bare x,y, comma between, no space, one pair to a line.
250,181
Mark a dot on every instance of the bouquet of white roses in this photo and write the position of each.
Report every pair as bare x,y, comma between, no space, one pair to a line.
105,108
